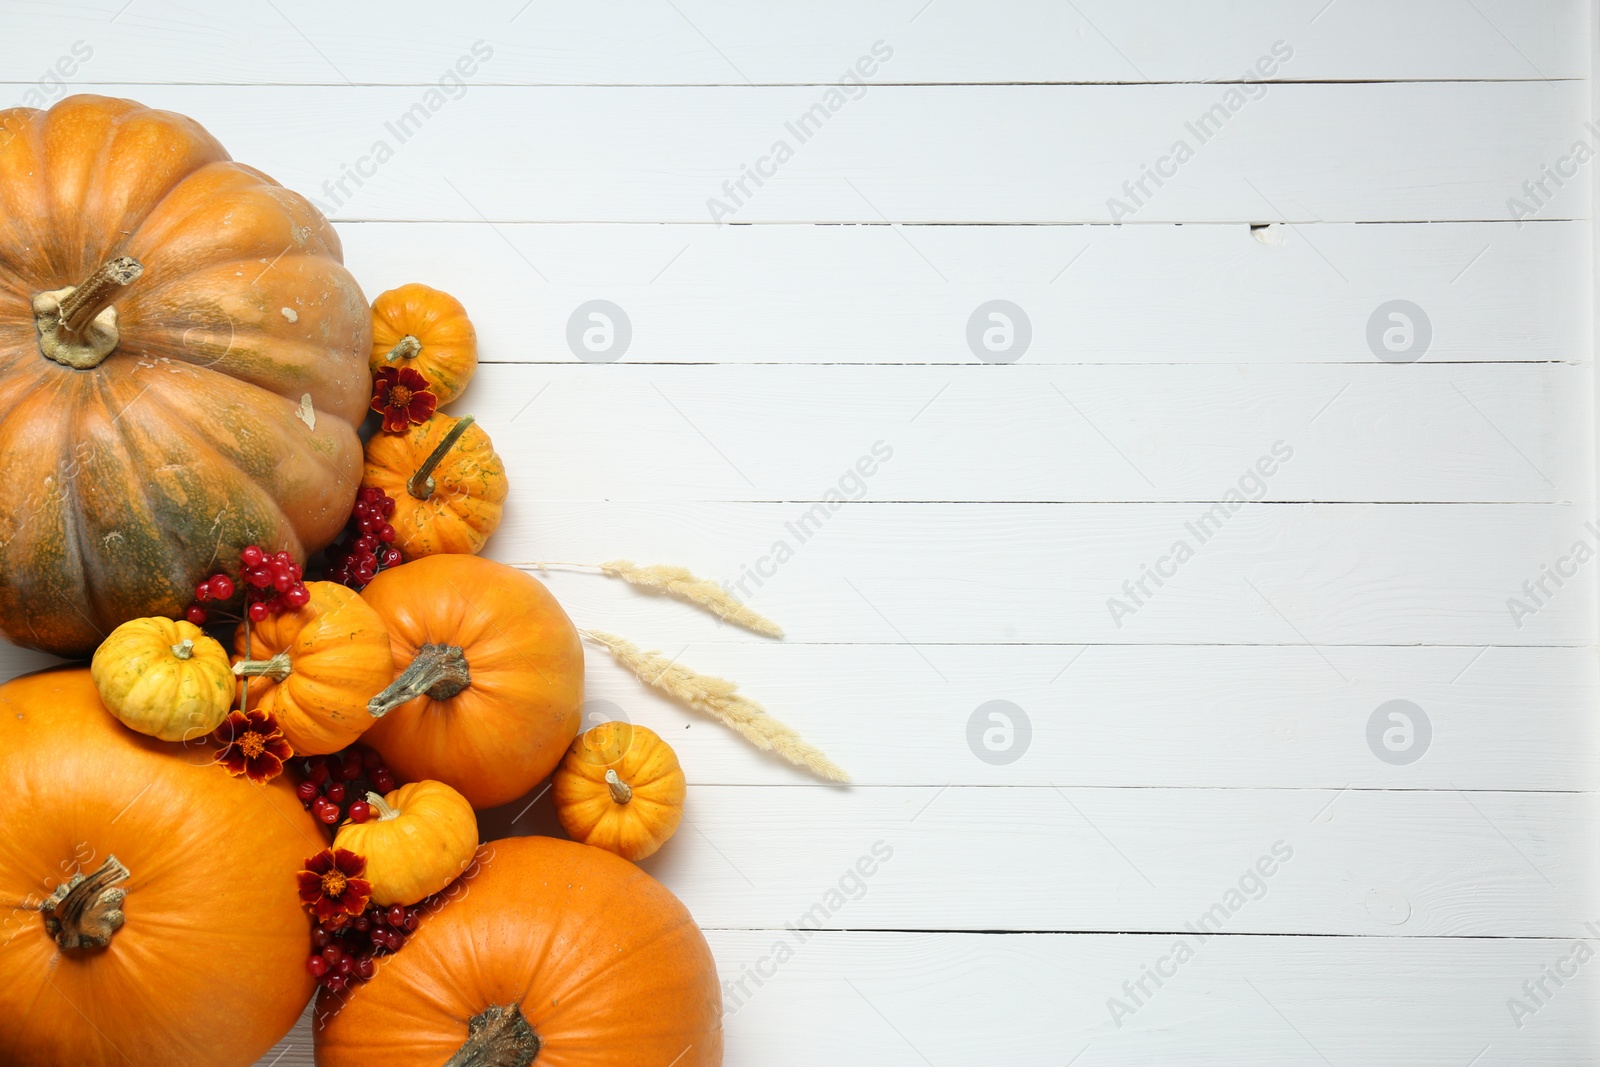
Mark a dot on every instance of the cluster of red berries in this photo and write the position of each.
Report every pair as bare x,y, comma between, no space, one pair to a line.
368,542
272,585
348,953
335,787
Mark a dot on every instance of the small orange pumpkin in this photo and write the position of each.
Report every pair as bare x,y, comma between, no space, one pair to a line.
419,839
447,482
490,676
427,330
315,669
620,788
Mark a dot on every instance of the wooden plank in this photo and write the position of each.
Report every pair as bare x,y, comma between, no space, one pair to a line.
1492,432
862,294
1379,863
698,41
909,999
1302,153
1103,715
927,574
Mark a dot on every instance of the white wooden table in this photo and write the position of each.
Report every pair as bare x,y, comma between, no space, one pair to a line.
1215,749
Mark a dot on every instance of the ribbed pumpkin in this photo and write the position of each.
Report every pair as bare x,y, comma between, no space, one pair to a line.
204,962
165,678
447,481
490,676
183,365
619,788
418,840
551,953
427,330
314,669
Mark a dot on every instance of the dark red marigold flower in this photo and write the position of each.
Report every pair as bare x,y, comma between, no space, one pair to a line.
332,886
253,745
403,397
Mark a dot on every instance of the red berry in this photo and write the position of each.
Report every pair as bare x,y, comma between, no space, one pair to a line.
347,964
391,557
335,984
329,814
387,508
333,953
335,793
362,922
380,917
306,790
260,578
221,586
365,968
386,533
412,918
372,494
320,937
396,915
397,941
202,592
383,780
318,772
196,614
251,555
257,611
317,966
360,811
297,596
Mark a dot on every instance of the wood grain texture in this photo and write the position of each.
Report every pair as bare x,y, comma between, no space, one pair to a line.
1493,292
1301,153
1317,575
713,42
1381,863
910,999
1502,433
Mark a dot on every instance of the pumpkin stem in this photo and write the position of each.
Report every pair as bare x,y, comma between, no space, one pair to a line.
621,791
86,910
407,347
277,668
77,325
421,483
381,806
183,649
497,1037
439,671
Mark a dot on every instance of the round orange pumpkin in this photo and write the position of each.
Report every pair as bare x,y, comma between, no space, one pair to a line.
620,788
314,669
490,676
447,481
552,953
427,330
417,840
183,365
188,879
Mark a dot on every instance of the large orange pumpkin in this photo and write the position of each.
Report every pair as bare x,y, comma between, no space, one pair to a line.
204,960
490,676
551,953
198,394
